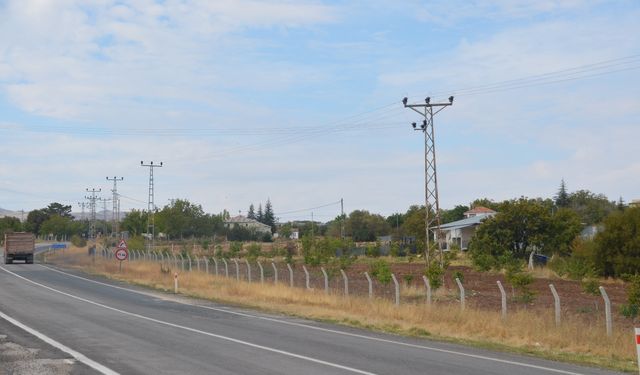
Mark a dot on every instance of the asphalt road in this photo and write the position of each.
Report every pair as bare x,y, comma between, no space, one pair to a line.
124,329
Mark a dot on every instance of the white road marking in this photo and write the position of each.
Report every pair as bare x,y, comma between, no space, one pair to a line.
241,342
378,339
78,356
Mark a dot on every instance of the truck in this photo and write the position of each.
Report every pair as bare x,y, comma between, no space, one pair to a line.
19,246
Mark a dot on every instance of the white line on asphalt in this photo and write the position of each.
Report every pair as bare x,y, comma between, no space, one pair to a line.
241,342
224,310
78,356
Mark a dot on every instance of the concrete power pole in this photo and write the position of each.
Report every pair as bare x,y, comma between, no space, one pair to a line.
92,206
116,206
151,208
432,220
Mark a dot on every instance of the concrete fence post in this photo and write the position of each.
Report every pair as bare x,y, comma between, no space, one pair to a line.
215,265
226,268
366,274
275,273
189,258
556,303
461,293
261,272
155,256
607,311
326,280
346,282
427,284
181,261
503,298
235,261
290,275
395,282
206,265
162,257
197,263
248,269
175,261
306,276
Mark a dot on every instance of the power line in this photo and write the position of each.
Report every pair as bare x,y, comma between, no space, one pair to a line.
308,209
116,205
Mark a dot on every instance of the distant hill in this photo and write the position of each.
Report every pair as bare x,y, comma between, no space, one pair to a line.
17,214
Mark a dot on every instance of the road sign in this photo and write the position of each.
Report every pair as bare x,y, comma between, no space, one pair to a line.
122,245
59,246
122,254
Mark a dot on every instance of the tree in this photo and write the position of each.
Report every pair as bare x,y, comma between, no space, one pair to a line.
521,226
268,217
135,222
592,208
562,198
260,215
182,218
9,224
364,226
56,225
56,208
486,202
251,214
35,219
618,245
620,205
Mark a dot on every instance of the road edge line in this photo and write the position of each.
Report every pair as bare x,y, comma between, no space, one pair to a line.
76,355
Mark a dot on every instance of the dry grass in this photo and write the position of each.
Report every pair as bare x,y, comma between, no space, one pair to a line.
524,331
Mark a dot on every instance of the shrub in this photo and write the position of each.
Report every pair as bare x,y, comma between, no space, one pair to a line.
632,307
591,286
520,281
395,250
573,267
373,251
254,251
381,271
434,273
235,248
78,241
458,275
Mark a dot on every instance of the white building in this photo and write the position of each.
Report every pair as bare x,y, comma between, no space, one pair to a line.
460,232
245,222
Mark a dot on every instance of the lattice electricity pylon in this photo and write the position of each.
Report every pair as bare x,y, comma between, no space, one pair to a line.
92,206
151,207
432,219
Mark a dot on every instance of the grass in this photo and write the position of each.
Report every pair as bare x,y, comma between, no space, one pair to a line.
523,332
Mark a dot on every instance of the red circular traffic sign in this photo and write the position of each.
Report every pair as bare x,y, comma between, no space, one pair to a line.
122,254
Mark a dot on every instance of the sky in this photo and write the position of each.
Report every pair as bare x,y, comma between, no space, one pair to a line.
299,102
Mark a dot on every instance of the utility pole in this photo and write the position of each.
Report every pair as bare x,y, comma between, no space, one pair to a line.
432,222
116,205
342,218
92,206
104,213
151,208
82,205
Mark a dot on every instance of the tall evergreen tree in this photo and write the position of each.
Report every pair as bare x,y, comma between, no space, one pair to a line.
260,215
269,217
621,204
562,198
252,213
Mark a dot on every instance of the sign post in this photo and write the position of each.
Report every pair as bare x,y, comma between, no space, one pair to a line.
122,253
637,335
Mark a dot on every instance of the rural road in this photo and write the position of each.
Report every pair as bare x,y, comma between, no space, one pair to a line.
116,328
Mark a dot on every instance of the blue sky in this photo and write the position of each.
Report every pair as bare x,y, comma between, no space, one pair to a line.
299,101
